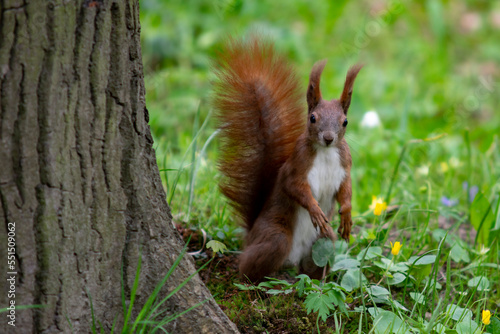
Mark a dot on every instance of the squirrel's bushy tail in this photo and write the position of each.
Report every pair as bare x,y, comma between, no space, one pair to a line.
259,109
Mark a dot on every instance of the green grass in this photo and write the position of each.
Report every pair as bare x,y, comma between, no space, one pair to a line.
152,317
427,73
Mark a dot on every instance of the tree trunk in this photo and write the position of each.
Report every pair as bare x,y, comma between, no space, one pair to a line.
78,174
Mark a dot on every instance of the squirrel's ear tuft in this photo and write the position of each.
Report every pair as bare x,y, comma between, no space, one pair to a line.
313,91
345,98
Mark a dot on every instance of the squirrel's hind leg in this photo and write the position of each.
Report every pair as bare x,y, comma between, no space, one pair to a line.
265,256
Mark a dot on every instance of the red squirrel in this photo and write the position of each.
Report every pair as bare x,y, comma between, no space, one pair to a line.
282,172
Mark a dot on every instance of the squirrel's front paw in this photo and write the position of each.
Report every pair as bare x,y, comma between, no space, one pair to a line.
329,232
320,220
345,226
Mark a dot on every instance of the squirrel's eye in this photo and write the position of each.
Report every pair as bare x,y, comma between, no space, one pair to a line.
345,123
313,119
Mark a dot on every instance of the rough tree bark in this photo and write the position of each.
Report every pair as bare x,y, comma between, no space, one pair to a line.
78,174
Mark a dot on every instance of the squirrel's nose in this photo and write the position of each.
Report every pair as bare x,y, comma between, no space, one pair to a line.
328,137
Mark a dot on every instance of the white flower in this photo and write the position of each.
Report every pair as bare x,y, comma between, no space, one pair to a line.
454,162
423,170
484,250
370,120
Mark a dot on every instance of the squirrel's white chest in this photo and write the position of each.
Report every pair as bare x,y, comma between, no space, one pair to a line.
324,178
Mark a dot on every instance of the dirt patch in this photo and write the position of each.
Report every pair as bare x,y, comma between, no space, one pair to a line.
464,230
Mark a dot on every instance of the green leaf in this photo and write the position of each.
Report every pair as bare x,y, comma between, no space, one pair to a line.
438,234
497,214
317,302
387,264
247,287
322,252
332,286
303,283
275,281
435,12
432,283
421,261
399,305
481,282
418,297
494,326
494,236
388,322
371,252
351,281
266,284
439,329
216,246
338,299
374,311
340,246
277,292
346,264
458,253
458,313
378,291
421,265
481,217
401,267
396,279
468,327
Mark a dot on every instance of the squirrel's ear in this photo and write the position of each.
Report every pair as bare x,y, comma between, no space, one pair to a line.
345,98
313,91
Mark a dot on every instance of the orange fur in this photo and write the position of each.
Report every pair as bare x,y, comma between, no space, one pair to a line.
267,152
259,109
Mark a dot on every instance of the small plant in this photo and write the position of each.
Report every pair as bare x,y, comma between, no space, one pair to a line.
216,247
152,316
323,298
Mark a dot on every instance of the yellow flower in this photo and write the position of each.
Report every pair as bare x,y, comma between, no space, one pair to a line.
378,205
486,317
444,167
396,248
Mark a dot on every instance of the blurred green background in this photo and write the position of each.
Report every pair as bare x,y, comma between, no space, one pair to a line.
431,68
